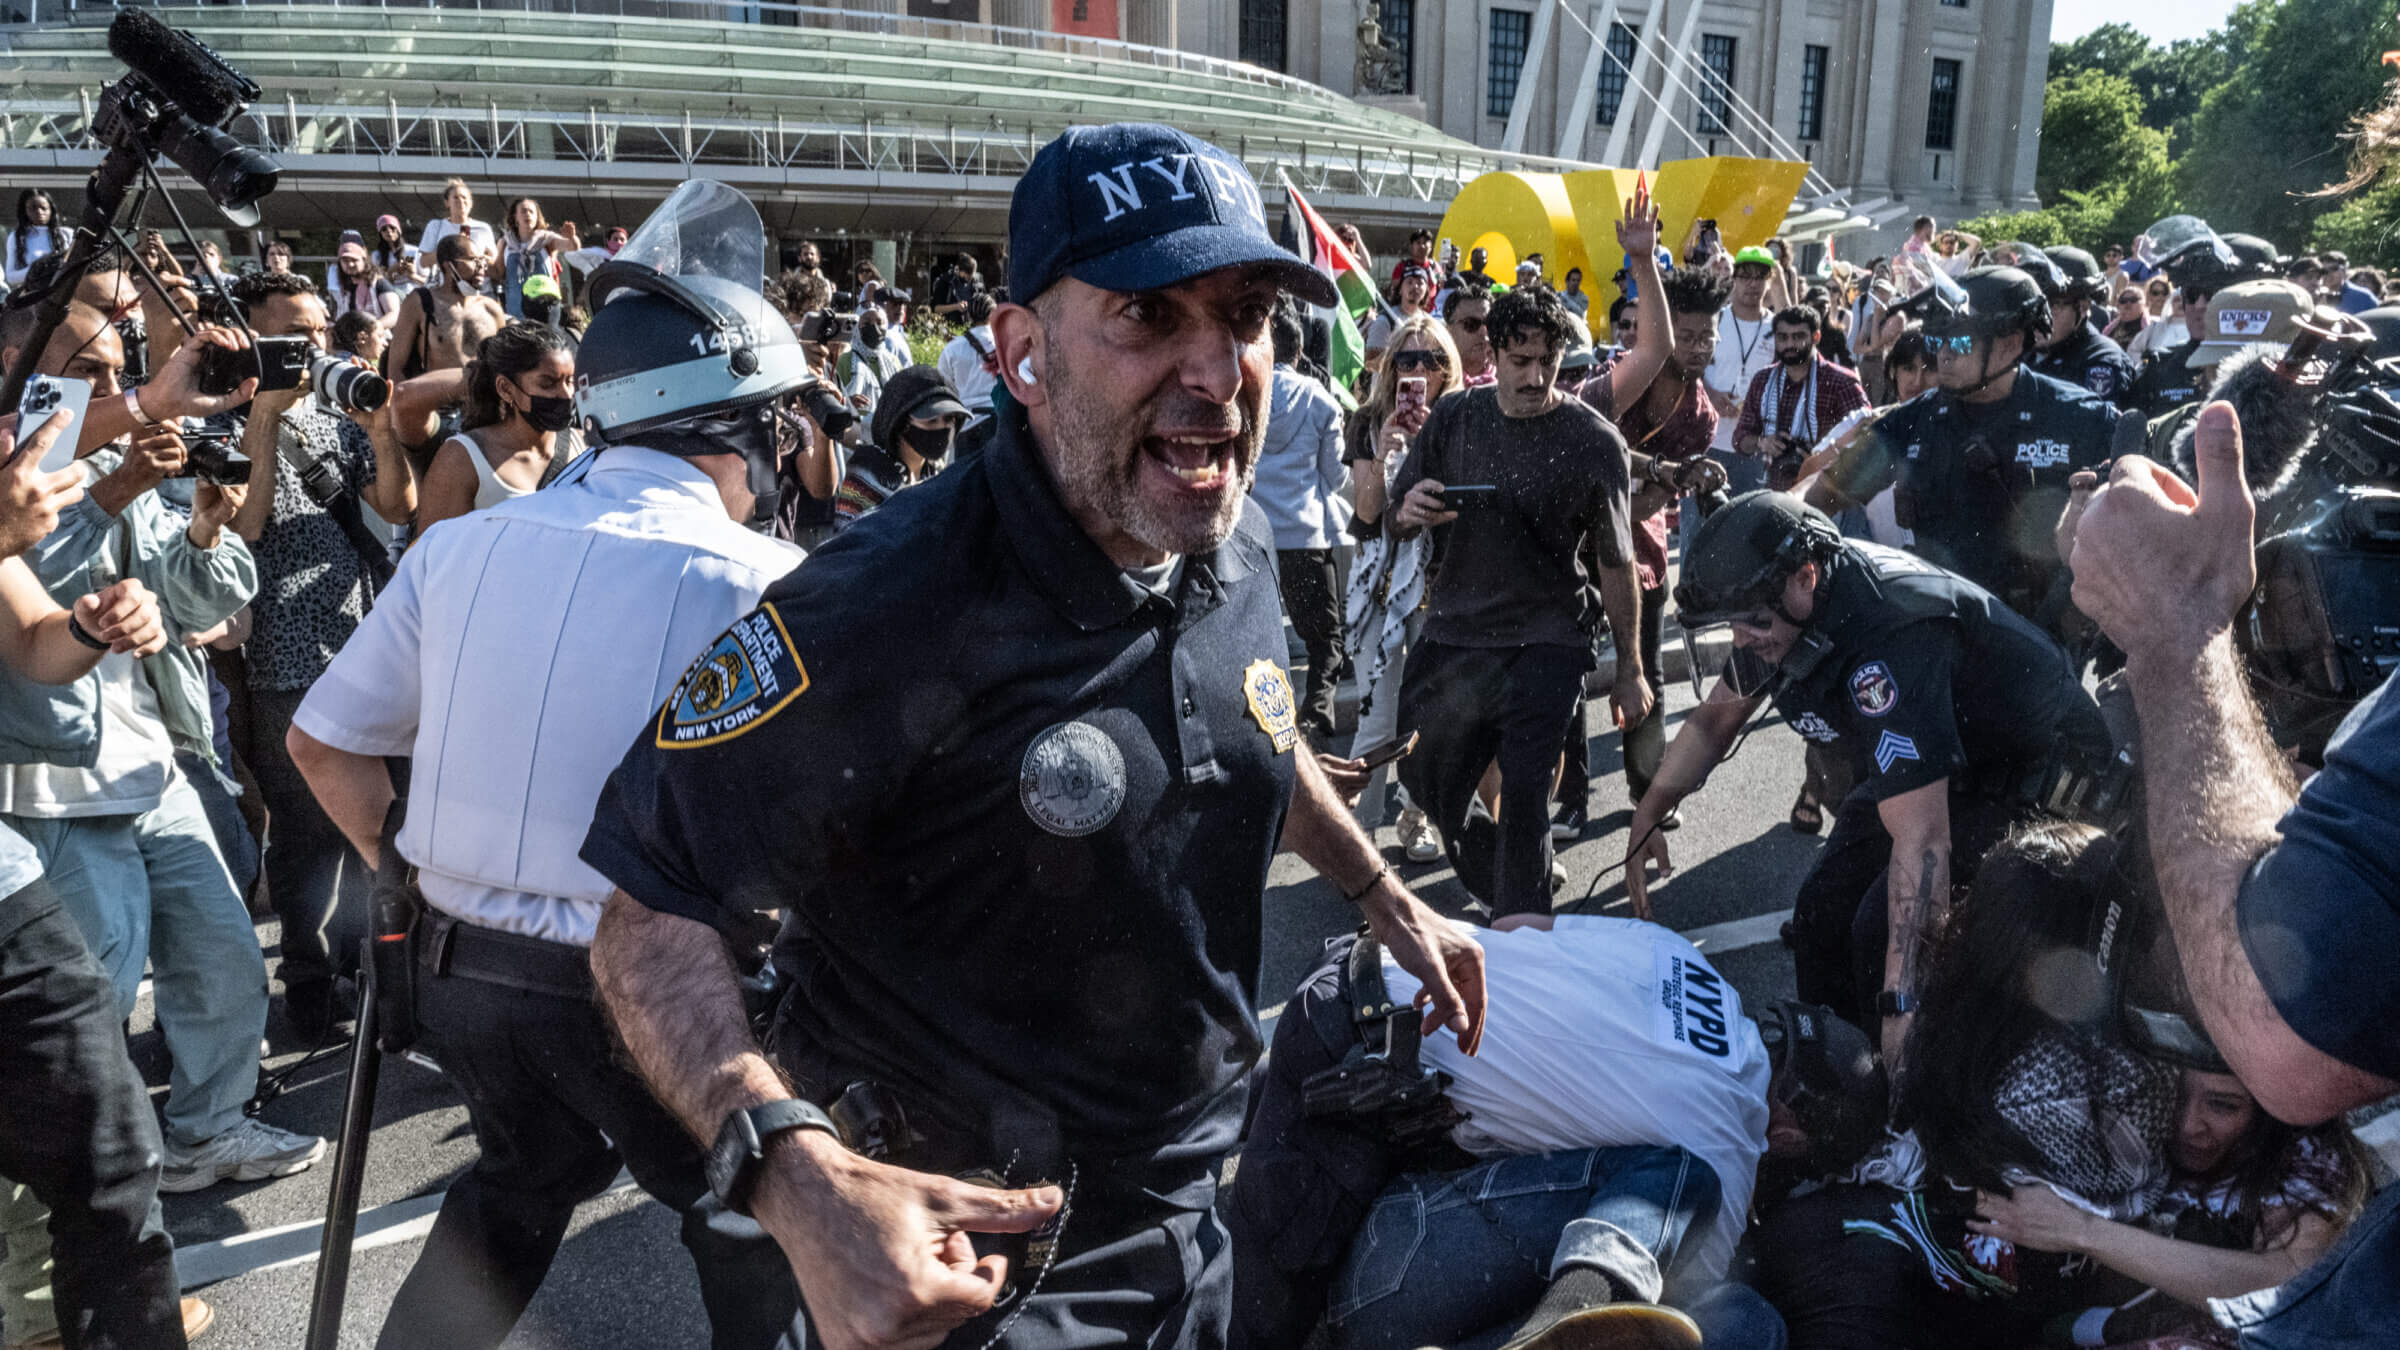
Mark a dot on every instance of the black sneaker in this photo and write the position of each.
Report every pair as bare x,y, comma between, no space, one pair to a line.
310,1009
1568,824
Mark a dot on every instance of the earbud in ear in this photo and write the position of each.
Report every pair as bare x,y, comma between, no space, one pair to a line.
1025,370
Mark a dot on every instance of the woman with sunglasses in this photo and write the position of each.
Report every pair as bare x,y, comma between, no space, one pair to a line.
2129,319
1382,611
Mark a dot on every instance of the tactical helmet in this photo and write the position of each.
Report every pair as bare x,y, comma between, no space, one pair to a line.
1825,1071
1745,550
2253,257
2076,273
1987,302
2197,258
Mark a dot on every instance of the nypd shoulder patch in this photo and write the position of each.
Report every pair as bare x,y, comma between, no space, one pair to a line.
1873,691
1269,692
1891,748
745,677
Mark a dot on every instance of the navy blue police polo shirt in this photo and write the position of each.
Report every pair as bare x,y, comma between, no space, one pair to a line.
1965,520
1017,806
1929,677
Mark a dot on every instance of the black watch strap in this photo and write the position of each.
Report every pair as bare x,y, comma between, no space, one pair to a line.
733,1161
1896,1003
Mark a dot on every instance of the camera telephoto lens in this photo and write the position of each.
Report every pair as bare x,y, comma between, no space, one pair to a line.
347,385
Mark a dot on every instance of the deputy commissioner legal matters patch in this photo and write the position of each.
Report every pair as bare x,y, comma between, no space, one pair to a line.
744,678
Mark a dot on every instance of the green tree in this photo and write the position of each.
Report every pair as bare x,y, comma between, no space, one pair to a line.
2093,138
2366,227
2039,228
2170,79
2271,132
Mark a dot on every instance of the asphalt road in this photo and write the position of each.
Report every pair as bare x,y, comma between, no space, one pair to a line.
622,1279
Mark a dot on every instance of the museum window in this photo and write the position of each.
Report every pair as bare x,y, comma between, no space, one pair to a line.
1263,24
1512,30
1812,92
1616,67
1716,84
1941,106
1400,30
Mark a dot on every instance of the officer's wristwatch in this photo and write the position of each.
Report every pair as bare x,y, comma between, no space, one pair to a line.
742,1145
1896,1003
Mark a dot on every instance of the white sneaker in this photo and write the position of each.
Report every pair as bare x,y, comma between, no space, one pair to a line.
250,1151
1417,836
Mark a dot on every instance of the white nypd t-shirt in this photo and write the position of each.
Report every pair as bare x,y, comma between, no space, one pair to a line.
1606,1033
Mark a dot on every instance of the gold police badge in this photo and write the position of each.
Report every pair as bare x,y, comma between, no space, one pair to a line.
1270,693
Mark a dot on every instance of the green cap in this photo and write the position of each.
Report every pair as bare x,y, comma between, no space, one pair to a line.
1754,254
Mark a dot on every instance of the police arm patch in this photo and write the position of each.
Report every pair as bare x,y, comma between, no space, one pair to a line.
745,677
1891,748
1271,704
1873,691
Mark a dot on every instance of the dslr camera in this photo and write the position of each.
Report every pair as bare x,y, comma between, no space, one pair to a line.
289,363
836,323
212,454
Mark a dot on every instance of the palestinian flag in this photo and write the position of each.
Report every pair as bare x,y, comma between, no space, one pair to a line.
1315,241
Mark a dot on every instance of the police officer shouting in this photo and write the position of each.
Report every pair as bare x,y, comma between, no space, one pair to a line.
1955,712
2075,350
1011,755
512,701
1980,463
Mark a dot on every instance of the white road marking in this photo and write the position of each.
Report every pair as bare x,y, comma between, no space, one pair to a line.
295,1244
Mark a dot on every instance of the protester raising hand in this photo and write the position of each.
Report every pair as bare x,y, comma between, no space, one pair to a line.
31,499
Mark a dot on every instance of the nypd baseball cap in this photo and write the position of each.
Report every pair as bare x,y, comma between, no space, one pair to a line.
2251,311
1134,206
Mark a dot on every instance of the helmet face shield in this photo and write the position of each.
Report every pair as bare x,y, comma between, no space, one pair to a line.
703,229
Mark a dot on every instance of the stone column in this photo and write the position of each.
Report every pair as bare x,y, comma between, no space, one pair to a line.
1879,143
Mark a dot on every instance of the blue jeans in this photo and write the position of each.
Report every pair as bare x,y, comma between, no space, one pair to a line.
218,796
1457,1257
153,887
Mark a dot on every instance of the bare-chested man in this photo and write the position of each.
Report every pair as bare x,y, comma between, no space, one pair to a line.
432,341
441,331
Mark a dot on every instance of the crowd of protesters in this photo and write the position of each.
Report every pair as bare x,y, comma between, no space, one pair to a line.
1464,536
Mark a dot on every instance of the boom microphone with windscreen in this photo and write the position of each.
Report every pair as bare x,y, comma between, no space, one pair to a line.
192,77
176,99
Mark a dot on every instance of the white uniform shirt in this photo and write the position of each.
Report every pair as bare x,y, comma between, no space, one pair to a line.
962,366
1616,1033
1744,348
516,654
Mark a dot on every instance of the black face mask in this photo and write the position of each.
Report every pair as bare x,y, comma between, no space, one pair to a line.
931,442
870,331
550,414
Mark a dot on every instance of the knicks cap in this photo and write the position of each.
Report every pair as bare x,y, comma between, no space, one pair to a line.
1134,206
2251,311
